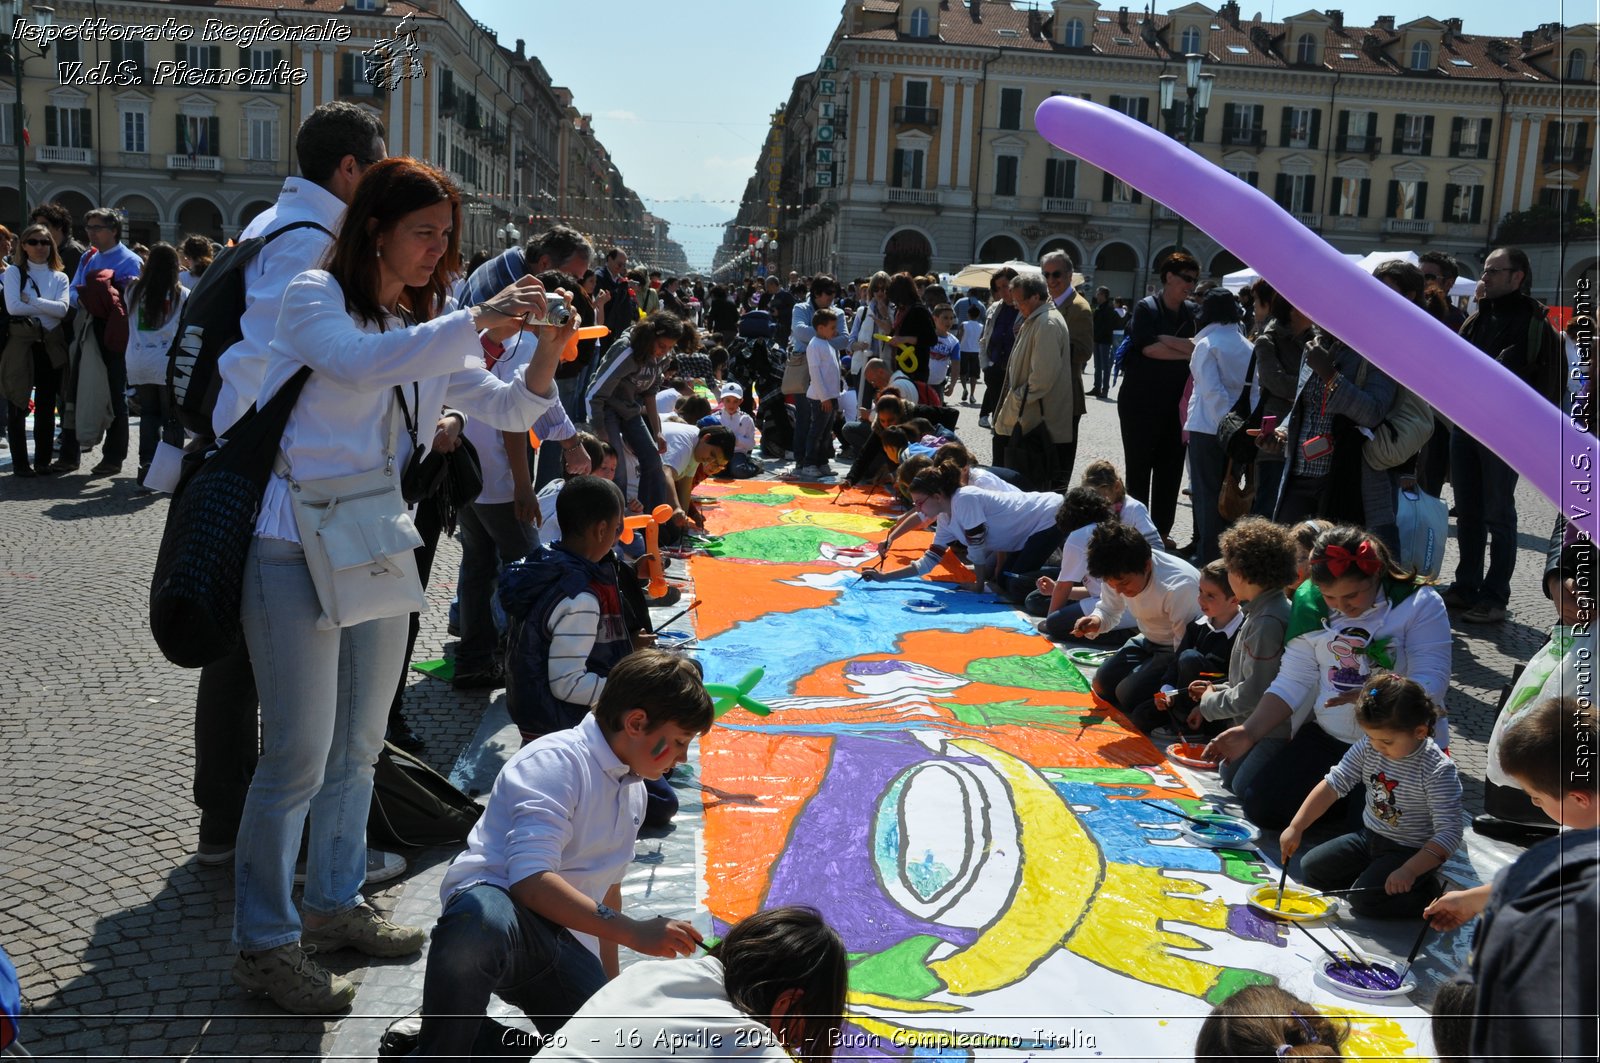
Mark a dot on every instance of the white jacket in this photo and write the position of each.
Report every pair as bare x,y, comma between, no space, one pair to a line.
47,304
336,426
244,365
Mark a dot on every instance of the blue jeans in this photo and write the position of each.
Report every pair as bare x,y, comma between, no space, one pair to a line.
804,413
634,433
491,536
1102,367
1207,465
1269,477
485,943
1486,505
1280,785
817,424
1240,775
324,702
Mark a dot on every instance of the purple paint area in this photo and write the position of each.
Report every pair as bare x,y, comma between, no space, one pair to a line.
1245,922
874,667
828,862
1368,976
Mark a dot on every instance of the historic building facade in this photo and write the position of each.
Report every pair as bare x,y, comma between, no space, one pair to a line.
183,115
912,144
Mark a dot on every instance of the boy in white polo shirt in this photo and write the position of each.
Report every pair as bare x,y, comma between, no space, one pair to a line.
531,908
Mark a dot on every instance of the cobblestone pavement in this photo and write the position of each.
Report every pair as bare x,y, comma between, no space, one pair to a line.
121,940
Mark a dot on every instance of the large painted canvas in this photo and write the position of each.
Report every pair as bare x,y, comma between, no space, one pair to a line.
943,787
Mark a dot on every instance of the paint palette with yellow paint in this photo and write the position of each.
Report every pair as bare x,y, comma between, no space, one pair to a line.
1299,905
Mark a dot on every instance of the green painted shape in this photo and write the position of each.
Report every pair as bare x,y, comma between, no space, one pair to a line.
781,544
758,500
1233,979
1100,776
1048,671
899,971
1015,711
1242,867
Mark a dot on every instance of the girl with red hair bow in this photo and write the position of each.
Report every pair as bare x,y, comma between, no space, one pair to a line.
1357,616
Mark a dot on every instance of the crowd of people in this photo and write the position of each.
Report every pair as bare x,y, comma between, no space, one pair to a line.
1293,637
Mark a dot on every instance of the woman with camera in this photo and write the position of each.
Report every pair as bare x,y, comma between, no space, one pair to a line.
377,352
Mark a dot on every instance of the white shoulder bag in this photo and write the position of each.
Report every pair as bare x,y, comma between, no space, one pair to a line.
359,539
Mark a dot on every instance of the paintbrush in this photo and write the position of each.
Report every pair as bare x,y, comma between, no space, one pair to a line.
879,566
1331,954
1349,947
1283,880
1416,947
1181,815
838,494
675,616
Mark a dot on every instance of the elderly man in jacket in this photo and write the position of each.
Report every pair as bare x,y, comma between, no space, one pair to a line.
1038,387
1057,269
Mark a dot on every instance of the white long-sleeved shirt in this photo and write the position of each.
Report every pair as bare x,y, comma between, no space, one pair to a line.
823,361
1169,601
1136,515
244,365
149,341
1219,364
46,290
1413,801
336,427
742,427
498,485
1333,660
563,803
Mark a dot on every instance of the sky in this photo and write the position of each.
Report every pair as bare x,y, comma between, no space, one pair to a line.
681,92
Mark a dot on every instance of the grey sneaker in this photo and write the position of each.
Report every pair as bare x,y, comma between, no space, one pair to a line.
381,867
293,980
363,929
1485,613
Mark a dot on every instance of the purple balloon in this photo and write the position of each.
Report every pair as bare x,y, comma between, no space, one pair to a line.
1466,385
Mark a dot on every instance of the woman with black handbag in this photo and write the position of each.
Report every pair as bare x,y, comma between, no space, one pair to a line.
1221,360
331,576
35,349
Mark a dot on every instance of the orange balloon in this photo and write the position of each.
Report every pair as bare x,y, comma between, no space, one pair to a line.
569,353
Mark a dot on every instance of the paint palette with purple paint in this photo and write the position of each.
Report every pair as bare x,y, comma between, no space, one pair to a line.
1364,977
1222,832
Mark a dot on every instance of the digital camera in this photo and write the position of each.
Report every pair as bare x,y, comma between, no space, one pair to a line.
556,310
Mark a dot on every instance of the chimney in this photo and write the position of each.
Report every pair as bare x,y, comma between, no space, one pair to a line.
522,48
1230,11
1527,40
975,9
1452,26
1337,18
1035,22
1122,17
1384,22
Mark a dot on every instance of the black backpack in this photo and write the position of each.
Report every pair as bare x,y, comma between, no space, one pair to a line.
414,806
209,326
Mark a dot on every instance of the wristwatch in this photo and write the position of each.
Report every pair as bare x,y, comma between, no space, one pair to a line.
605,911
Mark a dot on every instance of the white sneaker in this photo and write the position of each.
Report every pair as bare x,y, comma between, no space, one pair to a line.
983,421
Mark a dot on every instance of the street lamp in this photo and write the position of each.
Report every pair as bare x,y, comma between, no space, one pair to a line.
1198,87
10,15
509,235
766,244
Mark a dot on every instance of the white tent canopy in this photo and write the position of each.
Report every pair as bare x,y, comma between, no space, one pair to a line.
1464,286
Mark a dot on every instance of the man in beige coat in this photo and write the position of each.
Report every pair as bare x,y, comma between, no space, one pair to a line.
1057,269
1040,371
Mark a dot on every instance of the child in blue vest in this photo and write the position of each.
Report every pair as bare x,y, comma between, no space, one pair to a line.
567,629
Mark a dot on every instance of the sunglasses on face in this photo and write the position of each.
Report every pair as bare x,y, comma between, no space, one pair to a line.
1054,273
1188,278
36,243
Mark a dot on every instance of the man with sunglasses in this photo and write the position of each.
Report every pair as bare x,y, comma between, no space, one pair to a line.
1509,326
106,252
